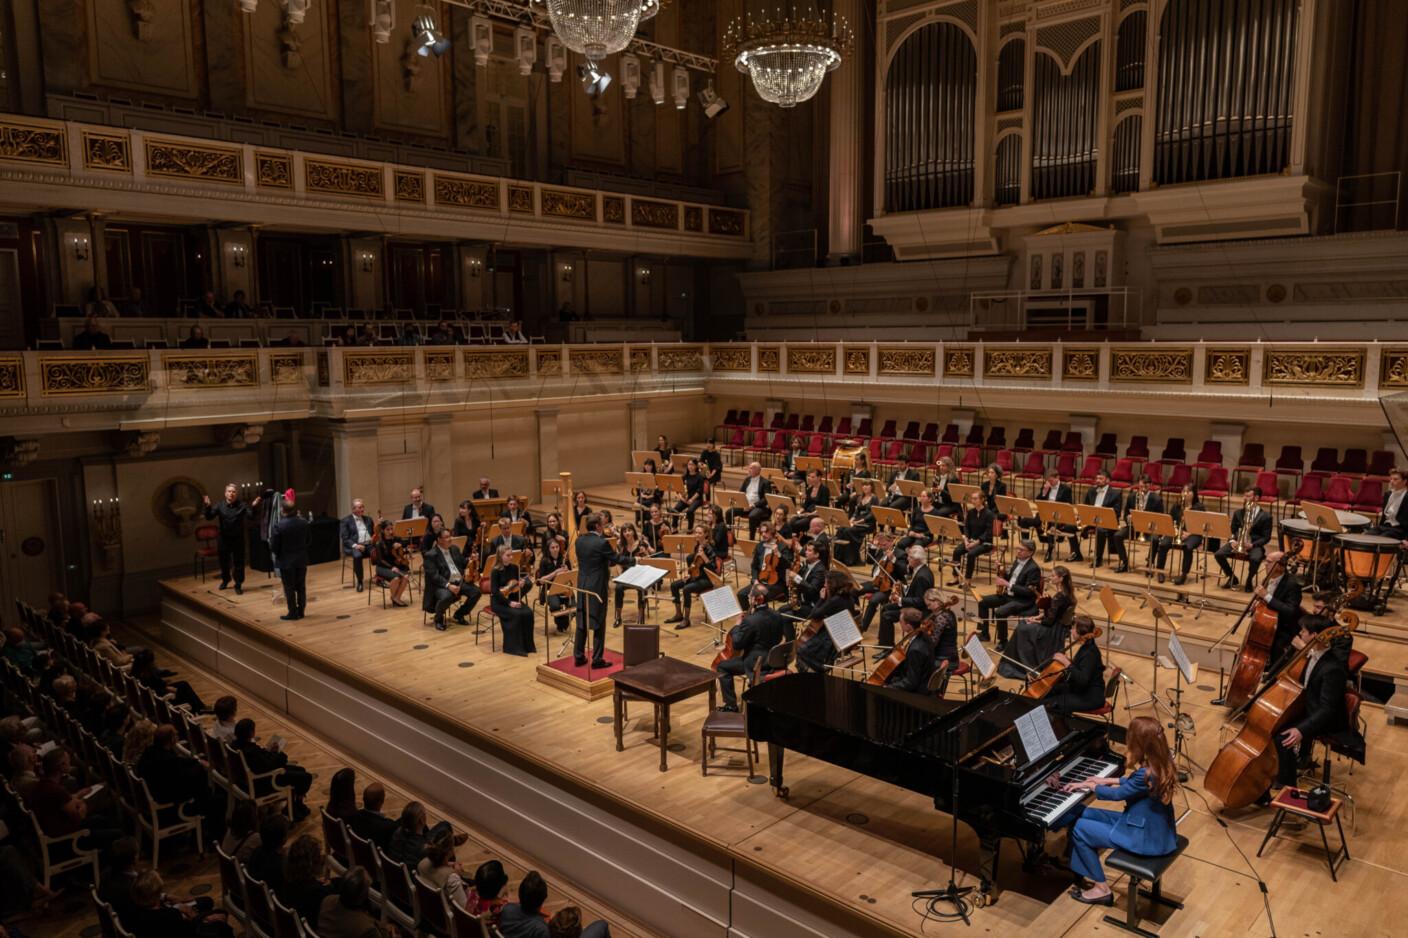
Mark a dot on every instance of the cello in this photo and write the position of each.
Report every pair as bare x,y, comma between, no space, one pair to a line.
896,657
1041,685
1246,766
1255,653
728,651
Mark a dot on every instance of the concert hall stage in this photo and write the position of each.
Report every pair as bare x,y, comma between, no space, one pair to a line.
689,856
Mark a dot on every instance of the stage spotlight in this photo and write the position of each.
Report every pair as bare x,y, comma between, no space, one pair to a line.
679,87
594,78
657,82
427,34
713,104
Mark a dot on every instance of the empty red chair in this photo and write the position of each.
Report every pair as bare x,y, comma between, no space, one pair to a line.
1370,497
974,437
887,430
1326,462
891,456
1004,461
918,453
757,422
1215,485
931,433
1108,447
1052,443
1123,475
1289,463
1269,483
808,423
1339,495
1380,465
1086,478
950,435
1174,451
911,430
1181,475
1138,448
781,443
1073,443
793,421
864,428
1311,489
1355,464
943,451
972,461
759,447
997,438
779,421
1253,459
1033,469
844,427
1066,466
825,426
817,446
731,420
1025,442
735,443
1210,455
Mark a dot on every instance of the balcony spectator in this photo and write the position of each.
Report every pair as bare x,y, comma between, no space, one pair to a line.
196,338
513,335
443,334
92,338
411,335
366,336
136,305
237,308
98,303
19,651
567,314
207,308
289,341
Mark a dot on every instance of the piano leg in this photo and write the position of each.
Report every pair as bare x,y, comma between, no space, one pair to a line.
775,753
989,854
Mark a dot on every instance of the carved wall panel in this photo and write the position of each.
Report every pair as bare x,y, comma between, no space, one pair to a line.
1331,368
1167,366
144,46
439,364
196,163
959,361
563,204
286,367
94,376
273,170
410,187
649,214
722,221
107,152
324,371
731,359
857,360
520,200
594,362
675,359
223,371
640,358
1080,364
287,67
769,359
906,361
1227,366
360,369
549,363
343,179
11,377
26,143
811,361
466,193
1033,364
693,218
496,364
1393,368
613,209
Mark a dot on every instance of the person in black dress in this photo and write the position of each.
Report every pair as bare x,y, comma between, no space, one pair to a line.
686,587
629,549
594,560
861,470
647,498
552,530
818,652
1082,685
848,539
666,454
977,540
753,637
466,524
919,532
1039,637
693,492
1164,544
229,542
396,576
554,561
515,618
580,509
992,487
719,533
711,465
653,531
289,544
432,533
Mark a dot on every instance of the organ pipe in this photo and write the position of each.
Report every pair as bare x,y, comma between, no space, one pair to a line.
930,110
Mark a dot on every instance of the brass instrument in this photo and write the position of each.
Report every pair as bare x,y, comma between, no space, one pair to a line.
1141,498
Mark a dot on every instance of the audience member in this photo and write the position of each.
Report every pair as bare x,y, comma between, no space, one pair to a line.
98,303
24,765
138,740
92,338
290,340
267,758
176,779
440,868
566,313
153,917
513,334
100,638
116,881
566,923
444,334
116,721
342,795
145,670
485,897
345,914
524,918
241,831
348,337
61,812
196,338
370,823
65,694
408,840
135,305
20,651
266,861
207,308
224,727
237,308
410,335
303,888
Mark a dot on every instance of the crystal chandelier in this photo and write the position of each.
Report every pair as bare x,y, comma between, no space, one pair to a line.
788,58
597,28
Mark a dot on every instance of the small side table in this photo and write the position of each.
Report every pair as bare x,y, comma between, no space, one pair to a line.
1292,801
660,682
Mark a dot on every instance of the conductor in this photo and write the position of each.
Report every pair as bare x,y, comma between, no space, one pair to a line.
594,560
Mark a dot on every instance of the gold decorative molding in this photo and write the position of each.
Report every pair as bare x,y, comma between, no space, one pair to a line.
11,377
671,360
1164,366
1080,363
561,203
90,375
360,369
693,218
649,214
496,364
408,186
202,163
548,363
811,361
466,193
1336,368
1393,368
726,358
857,360
324,371
520,200
439,364
1227,366
26,143
613,209
906,361
595,362
286,367
769,359
959,361
344,179
723,221
1030,363
107,152
640,358
204,371
273,170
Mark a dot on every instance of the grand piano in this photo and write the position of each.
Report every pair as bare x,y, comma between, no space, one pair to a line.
924,744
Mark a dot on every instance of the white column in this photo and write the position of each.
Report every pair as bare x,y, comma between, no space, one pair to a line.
845,221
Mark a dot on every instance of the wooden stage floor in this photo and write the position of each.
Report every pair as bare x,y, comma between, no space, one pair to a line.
856,845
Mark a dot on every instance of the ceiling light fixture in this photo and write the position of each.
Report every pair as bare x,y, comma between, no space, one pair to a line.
789,55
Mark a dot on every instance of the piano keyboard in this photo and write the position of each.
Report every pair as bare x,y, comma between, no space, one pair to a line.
1047,805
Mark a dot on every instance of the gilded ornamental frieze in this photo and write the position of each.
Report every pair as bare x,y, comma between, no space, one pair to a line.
439,364
1164,366
906,361
496,364
196,163
548,363
671,360
28,144
769,359
224,370
649,214
640,358
1330,368
693,218
959,361
520,200
1393,368
11,377
738,358
561,203
857,360
1227,366
1032,364
596,362
107,152
811,361
613,209
273,170
1080,364
409,186
94,376
466,193
360,369
343,179
286,367
722,221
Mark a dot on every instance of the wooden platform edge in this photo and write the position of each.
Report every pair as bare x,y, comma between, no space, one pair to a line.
586,690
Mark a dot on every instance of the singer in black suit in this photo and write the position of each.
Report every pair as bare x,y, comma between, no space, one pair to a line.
1252,526
289,544
921,580
1023,585
594,560
753,637
229,543
1104,495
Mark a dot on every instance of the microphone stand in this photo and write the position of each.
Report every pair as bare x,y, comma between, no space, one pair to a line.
951,893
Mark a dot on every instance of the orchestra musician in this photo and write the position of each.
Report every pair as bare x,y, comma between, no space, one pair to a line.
418,507
666,454
920,581
629,549
1141,498
768,545
649,496
554,562
862,518
506,537
1282,596
894,498
913,672
484,491
514,512
1054,490
608,524
943,631
594,560
944,473
1104,495
789,461
756,488
719,533
580,507
713,463
815,528
355,532
753,637
466,522
816,493
1393,518
445,585
1016,597
1147,825
1188,501
882,555
818,652
977,540
1081,686
919,533
384,551
1037,638
991,487
432,533
807,582
506,589
685,588
653,531
693,492
552,530
779,519
1251,531
860,469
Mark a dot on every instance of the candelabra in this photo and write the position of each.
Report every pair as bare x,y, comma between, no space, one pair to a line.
249,490
106,520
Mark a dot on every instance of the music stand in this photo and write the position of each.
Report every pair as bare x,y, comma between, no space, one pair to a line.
786,486
1158,611
720,605
677,543
1154,524
1326,519
671,570
641,480
563,584
1014,508
1056,514
910,488
1114,613
960,492
888,517
942,528
550,488
729,500
639,456
808,463
1207,524
833,487
1184,670
1096,516
834,517
774,501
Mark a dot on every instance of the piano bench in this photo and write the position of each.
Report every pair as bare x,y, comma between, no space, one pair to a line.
1141,869
1103,713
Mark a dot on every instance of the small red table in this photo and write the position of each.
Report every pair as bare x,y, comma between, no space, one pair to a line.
1292,801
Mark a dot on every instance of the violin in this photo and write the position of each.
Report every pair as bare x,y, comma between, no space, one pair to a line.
1255,653
768,573
793,597
896,657
1041,685
884,578
696,566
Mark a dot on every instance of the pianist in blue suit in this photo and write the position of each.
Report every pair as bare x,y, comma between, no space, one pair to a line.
1145,827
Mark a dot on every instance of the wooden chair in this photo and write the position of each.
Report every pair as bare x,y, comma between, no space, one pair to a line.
1106,711
108,925
260,903
434,909
52,859
160,821
287,923
245,784
400,905
335,839
364,854
232,884
464,925
939,679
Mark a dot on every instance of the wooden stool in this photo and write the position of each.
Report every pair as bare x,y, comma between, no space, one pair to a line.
1142,869
1292,801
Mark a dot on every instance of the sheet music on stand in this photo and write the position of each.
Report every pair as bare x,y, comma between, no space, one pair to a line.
721,605
979,656
1034,729
1180,657
843,629
641,576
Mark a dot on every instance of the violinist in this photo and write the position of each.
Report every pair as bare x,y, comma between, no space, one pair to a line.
552,530
944,473
894,498
848,539
913,672
466,522
515,512
384,561
1188,501
807,582
1017,594
770,558
921,580
693,492
1081,686
506,538
816,493
697,581
554,562
753,637
432,533
629,549
818,652
1039,637
719,533
653,531
648,497
1053,490
666,454
977,540
1251,531
1282,595
608,524
445,584
506,589
888,572
779,519
919,532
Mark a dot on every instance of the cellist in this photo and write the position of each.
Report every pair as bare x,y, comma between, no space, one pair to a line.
818,652
1082,685
1280,595
753,636
936,642
913,673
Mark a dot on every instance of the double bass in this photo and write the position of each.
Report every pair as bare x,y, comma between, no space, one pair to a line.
1246,766
896,657
1255,653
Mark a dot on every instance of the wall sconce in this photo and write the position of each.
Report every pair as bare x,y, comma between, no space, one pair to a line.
475,265
79,244
367,258
566,273
644,276
106,519
237,255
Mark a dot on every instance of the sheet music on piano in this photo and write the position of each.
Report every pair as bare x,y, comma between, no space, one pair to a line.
1035,732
